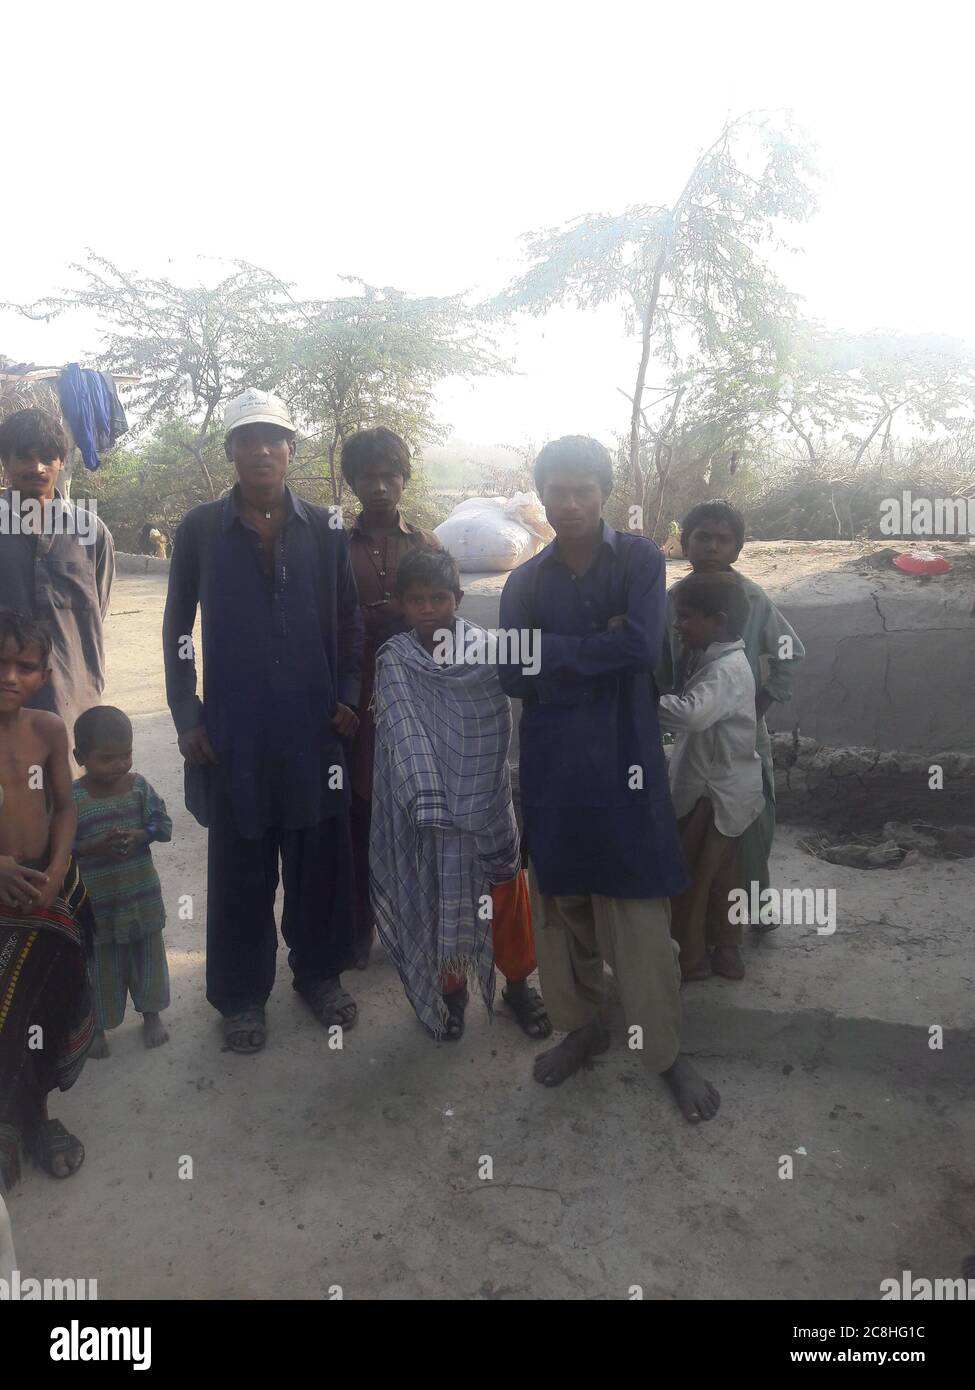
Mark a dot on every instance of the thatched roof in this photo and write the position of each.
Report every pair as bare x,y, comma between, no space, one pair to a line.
26,387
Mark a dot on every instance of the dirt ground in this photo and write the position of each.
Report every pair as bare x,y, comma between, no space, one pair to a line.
778,564
359,1168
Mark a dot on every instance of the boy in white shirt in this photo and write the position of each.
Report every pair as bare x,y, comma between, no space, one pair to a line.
715,772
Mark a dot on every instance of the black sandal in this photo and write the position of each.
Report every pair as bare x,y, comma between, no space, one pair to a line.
50,1140
247,1025
330,1003
528,1007
456,1004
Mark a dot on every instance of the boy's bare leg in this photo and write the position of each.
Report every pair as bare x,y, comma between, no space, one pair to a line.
558,1063
154,1032
727,961
726,958
99,1045
697,1098
635,941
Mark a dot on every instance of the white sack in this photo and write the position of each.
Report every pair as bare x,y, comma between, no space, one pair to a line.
494,533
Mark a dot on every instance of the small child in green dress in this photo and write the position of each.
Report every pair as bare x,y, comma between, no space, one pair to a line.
119,816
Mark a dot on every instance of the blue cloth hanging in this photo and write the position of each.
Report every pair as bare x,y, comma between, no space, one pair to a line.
92,410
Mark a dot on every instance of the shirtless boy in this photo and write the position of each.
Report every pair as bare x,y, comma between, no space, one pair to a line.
44,918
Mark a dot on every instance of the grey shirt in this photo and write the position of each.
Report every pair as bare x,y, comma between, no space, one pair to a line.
65,585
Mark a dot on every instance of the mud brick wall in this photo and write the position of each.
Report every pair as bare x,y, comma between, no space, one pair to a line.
857,789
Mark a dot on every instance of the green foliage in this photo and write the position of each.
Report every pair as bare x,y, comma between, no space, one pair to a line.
368,358
835,498
700,261
857,388
155,483
746,382
376,357
422,503
192,347
802,426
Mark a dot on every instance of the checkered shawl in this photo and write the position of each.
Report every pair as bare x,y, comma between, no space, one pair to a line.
443,826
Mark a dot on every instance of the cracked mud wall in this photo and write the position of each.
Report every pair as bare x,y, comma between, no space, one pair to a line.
886,694
890,663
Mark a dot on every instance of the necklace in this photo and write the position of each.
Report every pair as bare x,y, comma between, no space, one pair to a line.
266,512
382,556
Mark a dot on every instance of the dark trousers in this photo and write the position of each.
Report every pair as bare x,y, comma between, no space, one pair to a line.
360,821
242,879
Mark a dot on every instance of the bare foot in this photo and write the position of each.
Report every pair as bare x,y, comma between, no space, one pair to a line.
727,961
99,1045
9,1161
700,971
696,1097
558,1063
154,1032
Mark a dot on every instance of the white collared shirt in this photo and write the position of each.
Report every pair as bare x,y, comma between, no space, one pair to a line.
714,756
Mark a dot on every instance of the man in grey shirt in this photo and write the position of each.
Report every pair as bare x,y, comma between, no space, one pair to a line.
57,562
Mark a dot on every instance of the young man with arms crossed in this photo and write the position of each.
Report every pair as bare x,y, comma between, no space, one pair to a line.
603,849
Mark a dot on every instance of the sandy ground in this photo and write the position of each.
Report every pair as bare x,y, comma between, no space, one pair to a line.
779,564
359,1168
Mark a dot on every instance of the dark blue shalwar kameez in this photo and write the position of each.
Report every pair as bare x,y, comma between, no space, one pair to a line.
280,651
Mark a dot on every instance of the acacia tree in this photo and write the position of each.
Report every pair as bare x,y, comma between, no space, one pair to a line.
690,276
367,358
377,357
192,347
715,409
855,387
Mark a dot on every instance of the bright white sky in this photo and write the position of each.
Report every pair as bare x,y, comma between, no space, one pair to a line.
413,143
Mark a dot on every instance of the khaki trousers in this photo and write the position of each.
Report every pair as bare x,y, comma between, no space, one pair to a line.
575,935
700,914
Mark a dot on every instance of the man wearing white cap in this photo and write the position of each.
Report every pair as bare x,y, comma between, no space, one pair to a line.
266,749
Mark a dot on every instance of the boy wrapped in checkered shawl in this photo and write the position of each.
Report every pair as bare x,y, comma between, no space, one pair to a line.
443,826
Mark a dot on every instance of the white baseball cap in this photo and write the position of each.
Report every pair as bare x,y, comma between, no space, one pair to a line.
255,407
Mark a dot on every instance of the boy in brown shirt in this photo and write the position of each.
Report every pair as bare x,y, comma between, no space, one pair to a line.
376,465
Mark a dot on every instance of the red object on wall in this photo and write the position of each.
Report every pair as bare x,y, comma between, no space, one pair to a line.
922,562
